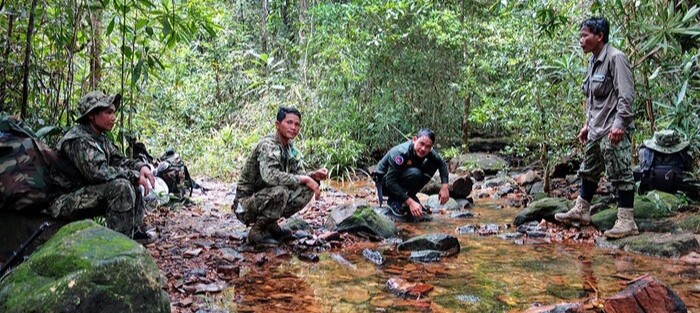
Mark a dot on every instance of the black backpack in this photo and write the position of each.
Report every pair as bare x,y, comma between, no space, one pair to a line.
665,171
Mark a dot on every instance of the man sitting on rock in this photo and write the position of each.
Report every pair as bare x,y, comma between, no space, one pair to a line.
106,181
405,170
271,184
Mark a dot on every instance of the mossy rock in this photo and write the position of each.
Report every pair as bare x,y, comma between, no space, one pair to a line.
360,217
85,268
663,245
447,245
489,163
690,224
543,209
650,211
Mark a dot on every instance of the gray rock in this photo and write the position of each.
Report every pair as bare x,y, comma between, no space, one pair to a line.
465,203
85,268
462,214
467,298
489,163
510,236
373,256
433,203
543,209
536,188
467,229
425,256
498,181
296,223
446,244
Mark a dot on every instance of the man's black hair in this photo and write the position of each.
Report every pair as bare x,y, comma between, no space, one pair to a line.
282,113
426,132
597,25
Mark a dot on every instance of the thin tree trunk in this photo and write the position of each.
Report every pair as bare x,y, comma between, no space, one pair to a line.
467,99
264,26
27,57
96,49
5,65
303,6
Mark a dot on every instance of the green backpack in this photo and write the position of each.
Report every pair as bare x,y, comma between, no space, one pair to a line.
25,168
173,171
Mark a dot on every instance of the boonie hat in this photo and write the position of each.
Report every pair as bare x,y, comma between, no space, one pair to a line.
97,99
666,141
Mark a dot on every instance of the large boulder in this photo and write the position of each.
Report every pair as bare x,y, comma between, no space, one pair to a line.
446,244
353,217
85,268
645,294
654,244
489,163
543,209
649,211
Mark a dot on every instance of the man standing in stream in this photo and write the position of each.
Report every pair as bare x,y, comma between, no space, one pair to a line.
609,89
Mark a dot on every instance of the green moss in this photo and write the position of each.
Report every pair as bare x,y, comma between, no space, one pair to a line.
605,219
691,224
655,204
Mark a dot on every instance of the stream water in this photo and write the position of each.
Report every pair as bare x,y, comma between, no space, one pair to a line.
490,274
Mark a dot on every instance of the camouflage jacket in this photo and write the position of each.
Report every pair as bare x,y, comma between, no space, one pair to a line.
95,157
269,164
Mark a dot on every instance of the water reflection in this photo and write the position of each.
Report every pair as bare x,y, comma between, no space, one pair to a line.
490,274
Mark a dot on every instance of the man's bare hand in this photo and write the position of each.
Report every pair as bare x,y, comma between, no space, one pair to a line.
147,180
415,208
312,184
616,135
320,174
444,194
583,135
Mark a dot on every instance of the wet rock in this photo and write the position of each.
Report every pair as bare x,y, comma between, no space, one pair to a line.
649,210
373,256
360,217
490,164
425,256
488,230
645,294
446,244
543,209
308,257
510,236
465,203
467,298
296,223
478,174
498,181
557,308
502,191
404,289
85,268
527,178
653,244
300,234
433,203
462,214
467,229
459,186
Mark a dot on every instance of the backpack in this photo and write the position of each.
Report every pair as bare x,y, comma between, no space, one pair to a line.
664,171
173,171
25,168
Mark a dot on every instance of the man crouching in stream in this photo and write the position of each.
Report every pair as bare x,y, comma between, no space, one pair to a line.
271,184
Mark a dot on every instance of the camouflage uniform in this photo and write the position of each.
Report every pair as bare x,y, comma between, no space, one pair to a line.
268,187
107,183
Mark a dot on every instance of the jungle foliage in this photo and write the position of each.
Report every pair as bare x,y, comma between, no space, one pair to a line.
205,77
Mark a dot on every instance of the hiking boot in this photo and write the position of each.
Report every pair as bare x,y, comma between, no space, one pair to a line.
624,225
143,237
278,232
581,212
260,235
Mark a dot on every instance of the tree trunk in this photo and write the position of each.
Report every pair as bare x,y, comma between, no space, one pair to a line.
27,58
96,49
467,99
460,186
264,26
6,65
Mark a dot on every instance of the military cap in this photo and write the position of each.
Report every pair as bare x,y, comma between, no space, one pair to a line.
666,141
97,99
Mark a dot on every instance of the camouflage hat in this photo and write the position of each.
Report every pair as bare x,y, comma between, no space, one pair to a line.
96,99
666,141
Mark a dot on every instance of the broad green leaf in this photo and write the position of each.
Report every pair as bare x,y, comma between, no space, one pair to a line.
136,73
141,23
110,26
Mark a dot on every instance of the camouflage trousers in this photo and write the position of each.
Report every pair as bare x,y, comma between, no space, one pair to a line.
120,202
616,160
270,204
